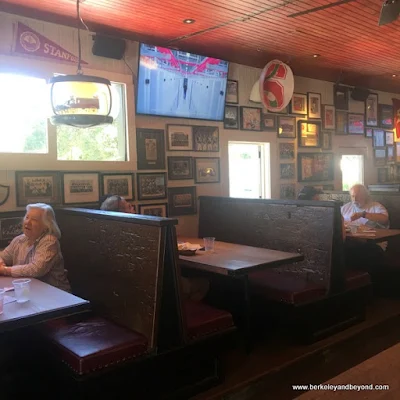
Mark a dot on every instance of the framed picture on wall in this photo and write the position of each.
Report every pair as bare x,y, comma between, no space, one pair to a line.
180,137
155,210
207,170
182,201
380,157
120,184
371,110
397,151
231,118
250,118
386,116
309,133
180,168
286,151
389,138
356,124
37,187
315,167
368,132
287,171
341,123
383,175
232,91
152,186
288,191
150,148
286,127
378,138
390,154
4,194
81,187
326,140
298,104
328,117
314,105
206,138
268,122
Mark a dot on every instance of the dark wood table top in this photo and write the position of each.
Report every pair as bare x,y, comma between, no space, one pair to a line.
380,235
235,259
46,302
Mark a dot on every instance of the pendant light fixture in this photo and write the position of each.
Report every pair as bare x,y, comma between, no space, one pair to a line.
80,100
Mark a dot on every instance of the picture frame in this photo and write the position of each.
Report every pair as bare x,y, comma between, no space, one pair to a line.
4,194
286,127
231,117
371,110
356,124
268,122
383,175
397,152
298,104
389,138
207,170
368,132
81,187
287,151
150,148
288,191
326,140
120,184
10,228
155,210
152,185
390,157
328,117
341,123
341,97
315,167
309,133
180,137
180,168
386,116
314,105
206,138
182,201
378,138
232,91
380,156
287,171
250,118
37,187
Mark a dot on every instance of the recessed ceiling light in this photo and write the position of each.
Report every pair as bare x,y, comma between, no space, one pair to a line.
258,50
316,55
189,21
394,75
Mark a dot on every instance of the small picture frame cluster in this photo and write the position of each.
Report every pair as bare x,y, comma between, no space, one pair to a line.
193,138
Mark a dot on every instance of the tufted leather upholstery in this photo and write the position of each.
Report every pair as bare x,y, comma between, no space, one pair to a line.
93,343
356,279
203,319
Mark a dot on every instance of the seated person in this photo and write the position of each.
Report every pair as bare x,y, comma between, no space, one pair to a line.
309,193
363,211
117,203
193,288
36,253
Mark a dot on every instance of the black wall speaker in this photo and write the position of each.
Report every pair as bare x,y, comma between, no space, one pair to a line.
359,94
390,12
106,46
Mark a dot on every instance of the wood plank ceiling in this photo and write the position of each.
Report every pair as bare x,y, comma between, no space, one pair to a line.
351,46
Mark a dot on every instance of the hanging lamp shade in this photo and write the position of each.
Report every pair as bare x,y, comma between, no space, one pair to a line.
255,96
80,100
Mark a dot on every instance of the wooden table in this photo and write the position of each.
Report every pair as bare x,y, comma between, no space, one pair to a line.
381,369
46,302
236,261
380,235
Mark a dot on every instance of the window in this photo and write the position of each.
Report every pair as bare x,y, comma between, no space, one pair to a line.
99,143
249,175
352,167
23,108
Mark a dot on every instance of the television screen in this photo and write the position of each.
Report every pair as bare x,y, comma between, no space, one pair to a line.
175,83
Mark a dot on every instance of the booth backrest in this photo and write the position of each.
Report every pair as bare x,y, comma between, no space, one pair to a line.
391,201
116,261
308,227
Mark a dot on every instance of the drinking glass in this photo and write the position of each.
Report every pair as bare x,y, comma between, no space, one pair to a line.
209,243
22,289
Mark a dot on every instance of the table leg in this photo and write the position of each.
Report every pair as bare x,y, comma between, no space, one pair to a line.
246,314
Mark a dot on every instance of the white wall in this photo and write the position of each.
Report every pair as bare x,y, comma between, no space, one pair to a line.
118,70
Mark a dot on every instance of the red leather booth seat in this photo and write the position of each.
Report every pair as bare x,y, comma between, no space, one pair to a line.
290,289
203,320
93,343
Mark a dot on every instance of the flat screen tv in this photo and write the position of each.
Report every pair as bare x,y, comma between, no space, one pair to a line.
173,83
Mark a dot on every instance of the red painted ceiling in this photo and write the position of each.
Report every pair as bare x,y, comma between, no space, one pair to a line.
351,45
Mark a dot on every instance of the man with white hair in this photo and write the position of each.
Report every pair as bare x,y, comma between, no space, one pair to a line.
36,252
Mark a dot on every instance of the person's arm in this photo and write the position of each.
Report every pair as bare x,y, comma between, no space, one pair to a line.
380,215
46,255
